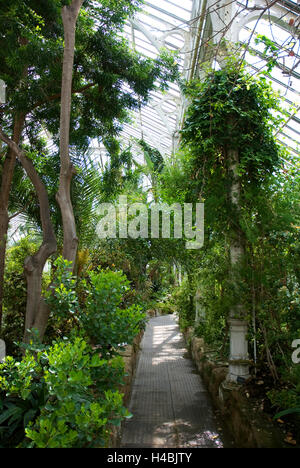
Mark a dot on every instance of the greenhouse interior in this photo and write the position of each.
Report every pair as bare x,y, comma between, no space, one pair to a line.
149,226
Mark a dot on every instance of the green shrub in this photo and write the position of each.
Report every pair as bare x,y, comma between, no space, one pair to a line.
101,314
63,397
21,395
65,394
107,324
182,298
165,308
15,294
61,296
212,329
289,397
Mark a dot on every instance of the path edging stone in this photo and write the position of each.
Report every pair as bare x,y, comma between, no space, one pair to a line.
130,357
248,427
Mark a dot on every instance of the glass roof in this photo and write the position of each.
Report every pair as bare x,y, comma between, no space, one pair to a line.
187,27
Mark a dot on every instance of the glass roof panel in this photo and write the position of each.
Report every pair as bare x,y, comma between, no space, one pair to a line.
176,24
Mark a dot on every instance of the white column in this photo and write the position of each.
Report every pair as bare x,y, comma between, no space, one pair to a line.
2,350
179,275
238,359
238,365
2,92
200,309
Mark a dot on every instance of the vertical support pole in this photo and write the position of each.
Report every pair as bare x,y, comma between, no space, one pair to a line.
2,92
238,370
238,326
200,309
2,350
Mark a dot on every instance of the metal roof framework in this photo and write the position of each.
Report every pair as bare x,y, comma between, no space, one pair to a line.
192,29
187,27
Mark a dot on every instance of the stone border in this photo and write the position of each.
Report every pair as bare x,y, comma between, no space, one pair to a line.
130,355
248,427
130,358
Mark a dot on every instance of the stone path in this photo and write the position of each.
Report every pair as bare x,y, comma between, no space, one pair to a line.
169,403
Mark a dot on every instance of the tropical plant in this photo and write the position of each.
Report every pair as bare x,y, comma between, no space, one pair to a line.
64,396
107,324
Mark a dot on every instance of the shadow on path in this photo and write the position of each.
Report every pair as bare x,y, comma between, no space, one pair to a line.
169,403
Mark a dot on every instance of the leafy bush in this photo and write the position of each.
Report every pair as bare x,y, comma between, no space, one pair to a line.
287,398
65,394
101,315
15,291
107,324
61,296
165,308
21,396
63,397
184,305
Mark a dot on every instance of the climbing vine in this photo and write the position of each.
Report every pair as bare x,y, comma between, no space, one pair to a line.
230,111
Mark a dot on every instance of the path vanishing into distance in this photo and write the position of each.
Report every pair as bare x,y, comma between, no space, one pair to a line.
170,405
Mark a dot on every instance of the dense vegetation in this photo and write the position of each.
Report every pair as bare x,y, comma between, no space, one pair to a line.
232,110
66,315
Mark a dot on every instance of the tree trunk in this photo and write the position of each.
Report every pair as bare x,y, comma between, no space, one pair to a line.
37,312
69,15
6,181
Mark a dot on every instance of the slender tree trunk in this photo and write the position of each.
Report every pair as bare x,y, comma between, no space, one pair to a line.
6,181
69,15
37,312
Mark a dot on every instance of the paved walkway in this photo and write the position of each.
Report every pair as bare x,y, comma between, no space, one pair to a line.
169,403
